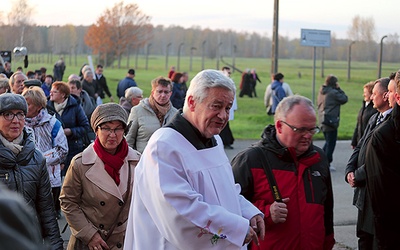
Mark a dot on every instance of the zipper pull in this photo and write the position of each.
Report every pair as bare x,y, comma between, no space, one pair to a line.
6,176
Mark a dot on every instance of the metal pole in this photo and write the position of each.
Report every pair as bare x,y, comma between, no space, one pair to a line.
191,57
234,58
313,79
147,55
322,63
275,39
380,58
179,55
166,56
203,52
218,54
349,61
136,58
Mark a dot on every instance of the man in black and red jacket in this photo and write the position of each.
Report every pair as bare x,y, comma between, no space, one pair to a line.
302,217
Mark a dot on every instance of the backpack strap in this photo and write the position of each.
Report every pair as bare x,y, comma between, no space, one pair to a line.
270,176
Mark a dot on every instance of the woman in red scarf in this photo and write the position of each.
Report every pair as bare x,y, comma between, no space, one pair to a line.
96,193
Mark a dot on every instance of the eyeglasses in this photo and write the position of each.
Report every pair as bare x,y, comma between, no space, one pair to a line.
54,91
10,116
116,131
302,130
163,91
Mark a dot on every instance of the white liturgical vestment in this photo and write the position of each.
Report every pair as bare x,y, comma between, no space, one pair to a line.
186,198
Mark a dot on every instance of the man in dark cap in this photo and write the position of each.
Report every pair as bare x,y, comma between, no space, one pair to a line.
125,83
32,82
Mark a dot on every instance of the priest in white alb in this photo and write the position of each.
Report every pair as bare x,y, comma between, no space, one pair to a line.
184,191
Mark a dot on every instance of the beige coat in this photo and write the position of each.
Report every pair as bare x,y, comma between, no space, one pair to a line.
91,200
143,122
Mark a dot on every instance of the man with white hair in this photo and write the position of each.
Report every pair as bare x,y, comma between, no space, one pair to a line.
133,95
185,196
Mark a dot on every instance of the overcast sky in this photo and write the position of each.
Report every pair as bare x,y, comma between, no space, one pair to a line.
256,15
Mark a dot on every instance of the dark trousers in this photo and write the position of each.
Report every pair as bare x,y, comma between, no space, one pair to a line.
366,241
56,194
330,144
253,89
226,135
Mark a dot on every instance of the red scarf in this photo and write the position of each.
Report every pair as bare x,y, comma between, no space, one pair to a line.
112,163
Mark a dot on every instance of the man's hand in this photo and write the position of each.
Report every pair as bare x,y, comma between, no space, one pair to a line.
351,179
278,211
258,225
251,235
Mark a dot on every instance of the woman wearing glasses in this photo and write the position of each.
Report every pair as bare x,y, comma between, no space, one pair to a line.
150,114
97,189
23,167
73,118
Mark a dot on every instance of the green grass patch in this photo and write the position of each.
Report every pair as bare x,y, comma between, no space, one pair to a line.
250,118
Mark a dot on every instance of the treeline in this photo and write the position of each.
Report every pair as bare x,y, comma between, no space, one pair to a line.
69,40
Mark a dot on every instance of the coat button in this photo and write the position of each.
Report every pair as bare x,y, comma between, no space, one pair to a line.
119,245
120,203
102,203
101,226
119,224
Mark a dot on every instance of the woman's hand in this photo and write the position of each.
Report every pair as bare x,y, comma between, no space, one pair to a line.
97,243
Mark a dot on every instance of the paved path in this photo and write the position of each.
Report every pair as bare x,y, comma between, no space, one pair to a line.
345,214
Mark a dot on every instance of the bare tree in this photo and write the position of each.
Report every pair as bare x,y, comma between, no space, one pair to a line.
362,29
20,16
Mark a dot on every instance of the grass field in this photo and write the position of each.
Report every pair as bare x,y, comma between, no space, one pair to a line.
250,118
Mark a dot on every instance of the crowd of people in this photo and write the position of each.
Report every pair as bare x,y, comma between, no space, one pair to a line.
151,172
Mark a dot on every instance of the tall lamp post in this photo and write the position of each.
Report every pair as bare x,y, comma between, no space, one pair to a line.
179,55
380,58
349,60
166,56
218,54
147,55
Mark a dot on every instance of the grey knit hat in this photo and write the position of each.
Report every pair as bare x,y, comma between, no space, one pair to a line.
108,112
9,101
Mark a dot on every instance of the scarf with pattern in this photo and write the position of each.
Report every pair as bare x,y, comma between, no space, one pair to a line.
160,110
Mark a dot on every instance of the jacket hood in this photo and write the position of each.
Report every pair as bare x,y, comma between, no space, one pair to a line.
275,84
271,143
325,89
